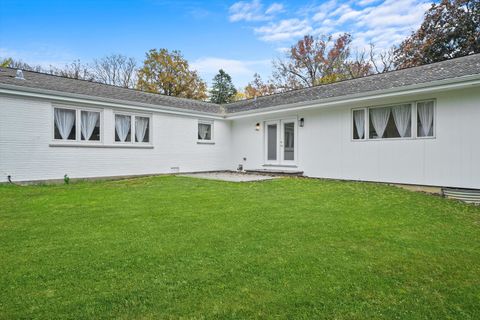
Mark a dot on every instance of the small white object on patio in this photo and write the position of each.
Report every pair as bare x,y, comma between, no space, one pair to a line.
228,176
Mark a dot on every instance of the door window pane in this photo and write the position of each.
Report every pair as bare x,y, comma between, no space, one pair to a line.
289,141
272,142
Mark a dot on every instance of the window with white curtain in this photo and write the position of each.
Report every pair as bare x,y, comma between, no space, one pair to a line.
394,121
64,124
425,119
130,128
90,125
390,122
123,128
142,131
359,124
75,124
205,131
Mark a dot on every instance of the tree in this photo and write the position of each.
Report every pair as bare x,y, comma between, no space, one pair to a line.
313,60
168,73
258,88
240,95
115,69
17,64
74,70
383,60
450,29
4,63
223,90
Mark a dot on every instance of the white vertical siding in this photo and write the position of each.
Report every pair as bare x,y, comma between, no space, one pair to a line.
326,150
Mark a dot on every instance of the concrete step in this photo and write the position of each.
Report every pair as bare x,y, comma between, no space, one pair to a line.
276,172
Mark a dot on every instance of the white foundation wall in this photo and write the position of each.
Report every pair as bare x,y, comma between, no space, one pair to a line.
326,149
26,154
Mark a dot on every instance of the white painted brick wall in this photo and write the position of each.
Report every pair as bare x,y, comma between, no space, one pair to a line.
26,133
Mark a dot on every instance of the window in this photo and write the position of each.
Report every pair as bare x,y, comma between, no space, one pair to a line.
65,120
205,131
425,119
125,126
359,124
390,122
90,125
76,125
394,121
141,129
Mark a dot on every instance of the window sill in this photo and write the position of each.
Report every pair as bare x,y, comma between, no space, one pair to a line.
205,142
393,139
99,145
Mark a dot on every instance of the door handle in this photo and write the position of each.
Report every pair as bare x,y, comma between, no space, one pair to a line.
281,143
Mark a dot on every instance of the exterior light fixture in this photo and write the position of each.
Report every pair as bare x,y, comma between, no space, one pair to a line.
257,126
302,122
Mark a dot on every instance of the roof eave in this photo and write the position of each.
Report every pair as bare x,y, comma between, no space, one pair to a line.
434,86
68,97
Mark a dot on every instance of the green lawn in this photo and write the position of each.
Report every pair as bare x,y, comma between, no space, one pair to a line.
176,247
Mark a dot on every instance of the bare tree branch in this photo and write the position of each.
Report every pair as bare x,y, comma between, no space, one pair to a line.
115,69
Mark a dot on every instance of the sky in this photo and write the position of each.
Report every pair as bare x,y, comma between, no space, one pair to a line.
242,37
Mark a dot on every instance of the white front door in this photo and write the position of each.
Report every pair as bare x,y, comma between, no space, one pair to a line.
281,142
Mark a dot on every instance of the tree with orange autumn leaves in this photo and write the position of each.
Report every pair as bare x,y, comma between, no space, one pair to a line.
167,72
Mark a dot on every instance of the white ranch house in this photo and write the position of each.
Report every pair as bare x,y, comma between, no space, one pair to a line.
418,126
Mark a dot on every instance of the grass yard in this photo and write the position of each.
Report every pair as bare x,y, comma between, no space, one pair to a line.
177,247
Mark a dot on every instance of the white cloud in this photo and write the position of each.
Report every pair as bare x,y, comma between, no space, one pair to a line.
382,22
284,30
323,10
275,8
253,11
248,11
365,2
393,13
387,22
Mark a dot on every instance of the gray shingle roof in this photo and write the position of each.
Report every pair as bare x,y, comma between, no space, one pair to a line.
55,83
449,69
469,65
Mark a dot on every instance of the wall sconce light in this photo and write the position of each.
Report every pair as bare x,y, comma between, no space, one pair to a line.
257,126
302,122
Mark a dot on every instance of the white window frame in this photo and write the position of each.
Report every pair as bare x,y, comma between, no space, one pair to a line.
352,119
414,124
78,118
434,126
212,131
132,116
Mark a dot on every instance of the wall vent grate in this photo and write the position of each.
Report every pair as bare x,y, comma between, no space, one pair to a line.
466,195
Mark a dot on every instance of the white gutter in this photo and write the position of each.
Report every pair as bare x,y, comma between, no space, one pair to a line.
448,84
101,101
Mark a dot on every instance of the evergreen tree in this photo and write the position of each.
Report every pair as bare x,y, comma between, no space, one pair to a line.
223,90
